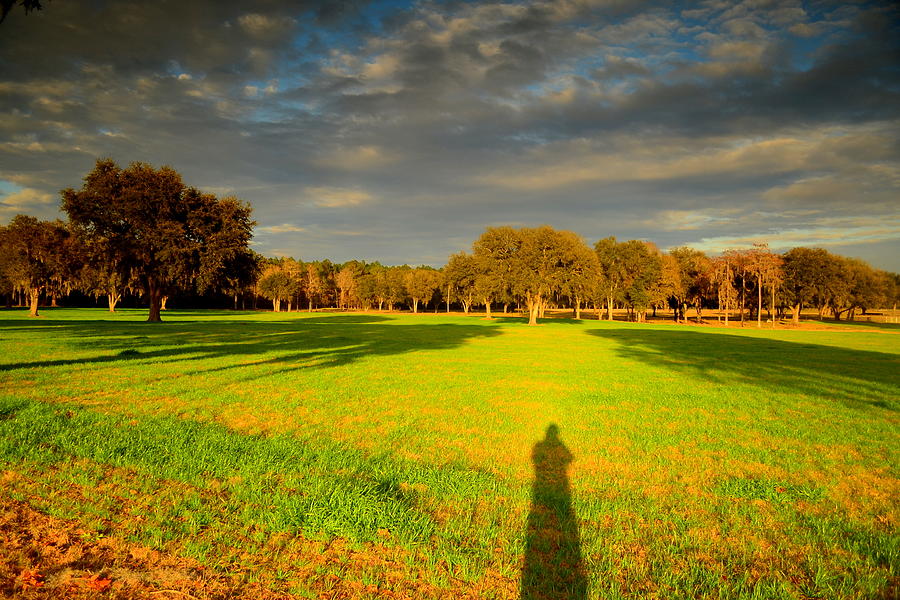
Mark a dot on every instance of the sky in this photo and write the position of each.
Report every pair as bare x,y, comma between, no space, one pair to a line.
398,131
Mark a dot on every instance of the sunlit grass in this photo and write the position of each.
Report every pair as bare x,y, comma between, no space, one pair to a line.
706,462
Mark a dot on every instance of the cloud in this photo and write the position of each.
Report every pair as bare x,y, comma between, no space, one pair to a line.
332,197
357,158
26,201
283,228
265,26
417,126
689,220
826,232
556,167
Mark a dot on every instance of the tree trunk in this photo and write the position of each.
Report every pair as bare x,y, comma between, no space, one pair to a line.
310,305
578,308
465,306
34,295
112,299
505,307
487,308
415,305
235,302
448,297
276,305
534,307
609,316
162,303
774,313
759,305
53,303
155,295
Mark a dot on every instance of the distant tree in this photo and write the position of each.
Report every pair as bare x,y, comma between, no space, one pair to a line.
421,284
280,283
460,274
241,274
765,266
346,280
807,272
367,290
314,285
580,282
669,283
98,278
695,280
493,254
172,237
861,288
892,293
541,265
295,271
612,275
31,255
642,269
723,275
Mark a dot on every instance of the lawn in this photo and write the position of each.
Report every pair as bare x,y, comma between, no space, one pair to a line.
355,455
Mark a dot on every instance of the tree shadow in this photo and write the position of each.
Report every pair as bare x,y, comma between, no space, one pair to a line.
856,378
553,567
290,344
844,323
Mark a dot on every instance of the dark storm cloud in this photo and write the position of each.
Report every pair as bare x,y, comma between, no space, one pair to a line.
398,132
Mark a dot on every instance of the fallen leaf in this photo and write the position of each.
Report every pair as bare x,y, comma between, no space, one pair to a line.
31,579
97,583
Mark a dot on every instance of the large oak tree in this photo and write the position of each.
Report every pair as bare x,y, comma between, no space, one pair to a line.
169,236
32,256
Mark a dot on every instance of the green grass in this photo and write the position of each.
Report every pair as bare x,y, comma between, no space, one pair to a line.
705,462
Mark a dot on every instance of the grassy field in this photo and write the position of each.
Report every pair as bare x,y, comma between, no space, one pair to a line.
319,455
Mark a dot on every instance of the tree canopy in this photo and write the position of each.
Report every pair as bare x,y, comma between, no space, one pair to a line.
32,256
154,228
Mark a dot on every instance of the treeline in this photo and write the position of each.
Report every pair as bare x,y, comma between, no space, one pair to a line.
541,268
141,231
534,269
507,269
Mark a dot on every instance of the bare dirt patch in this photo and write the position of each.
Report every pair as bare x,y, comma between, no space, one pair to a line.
46,557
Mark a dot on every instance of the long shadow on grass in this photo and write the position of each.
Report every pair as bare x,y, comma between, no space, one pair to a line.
284,345
856,378
553,567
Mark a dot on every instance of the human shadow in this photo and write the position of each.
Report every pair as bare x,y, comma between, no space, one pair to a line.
855,378
214,345
553,567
